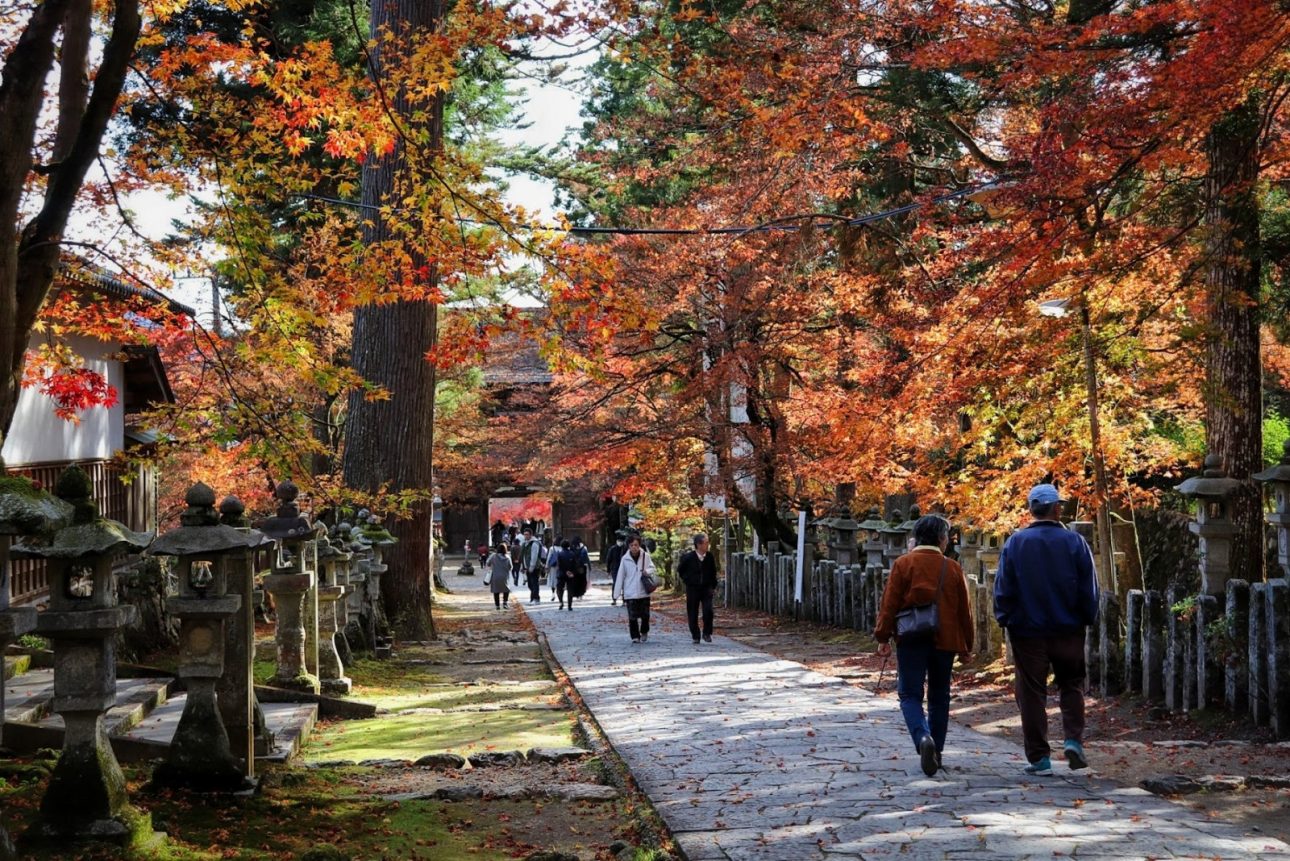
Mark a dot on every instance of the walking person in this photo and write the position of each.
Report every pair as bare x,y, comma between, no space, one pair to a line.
635,572
516,553
575,568
926,576
564,566
499,575
553,565
612,558
1045,595
697,569
532,560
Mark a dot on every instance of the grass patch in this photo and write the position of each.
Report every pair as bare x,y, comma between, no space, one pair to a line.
456,696
412,736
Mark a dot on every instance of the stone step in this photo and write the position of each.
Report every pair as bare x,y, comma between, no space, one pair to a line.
290,724
27,696
135,700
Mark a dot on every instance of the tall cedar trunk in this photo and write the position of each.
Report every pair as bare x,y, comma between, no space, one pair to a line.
29,257
1233,373
389,442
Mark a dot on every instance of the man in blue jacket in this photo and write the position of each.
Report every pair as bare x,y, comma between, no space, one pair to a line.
1045,595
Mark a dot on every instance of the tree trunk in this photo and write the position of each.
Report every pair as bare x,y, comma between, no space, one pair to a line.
1233,373
388,443
29,257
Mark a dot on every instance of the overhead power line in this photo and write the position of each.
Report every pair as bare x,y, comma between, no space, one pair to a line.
787,224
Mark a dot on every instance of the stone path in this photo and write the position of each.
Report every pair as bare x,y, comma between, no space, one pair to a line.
747,756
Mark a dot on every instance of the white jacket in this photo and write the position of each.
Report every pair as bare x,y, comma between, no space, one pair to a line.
628,583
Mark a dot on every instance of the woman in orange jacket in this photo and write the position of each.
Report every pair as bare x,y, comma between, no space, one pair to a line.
923,576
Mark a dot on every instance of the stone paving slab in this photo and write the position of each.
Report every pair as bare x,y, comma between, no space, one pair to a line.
290,724
748,757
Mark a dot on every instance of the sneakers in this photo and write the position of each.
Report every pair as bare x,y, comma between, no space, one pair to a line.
1075,754
696,641
644,638
707,638
636,641
927,756
1042,768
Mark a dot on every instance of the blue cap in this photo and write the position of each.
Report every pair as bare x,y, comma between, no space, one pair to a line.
1043,494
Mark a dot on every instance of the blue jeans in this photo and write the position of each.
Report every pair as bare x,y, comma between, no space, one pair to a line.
918,664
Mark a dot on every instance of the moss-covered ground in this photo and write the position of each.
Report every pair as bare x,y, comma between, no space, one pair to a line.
480,686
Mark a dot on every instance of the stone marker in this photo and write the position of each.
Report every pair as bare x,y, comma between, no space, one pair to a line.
1153,644
1133,640
200,757
1258,654
86,797
1277,607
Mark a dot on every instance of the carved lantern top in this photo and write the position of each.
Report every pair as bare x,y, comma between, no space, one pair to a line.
200,532
87,535
28,510
1212,483
288,524
1279,472
914,514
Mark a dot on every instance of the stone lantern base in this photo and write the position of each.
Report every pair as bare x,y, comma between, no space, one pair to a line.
200,757
86,798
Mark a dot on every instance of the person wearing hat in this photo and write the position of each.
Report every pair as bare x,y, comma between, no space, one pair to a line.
1045,595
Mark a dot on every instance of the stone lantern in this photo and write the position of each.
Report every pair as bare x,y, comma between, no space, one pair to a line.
380,538
908,525
893,540
24,510
1213,524
1279,479
331,672
842,538
86,797
340,535
871,531
248,734
361,628
291,578
200,757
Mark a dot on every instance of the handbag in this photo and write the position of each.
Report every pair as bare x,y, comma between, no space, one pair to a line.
648,583
922,621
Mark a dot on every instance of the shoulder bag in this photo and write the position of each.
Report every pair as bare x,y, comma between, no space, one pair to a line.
922,621
648,583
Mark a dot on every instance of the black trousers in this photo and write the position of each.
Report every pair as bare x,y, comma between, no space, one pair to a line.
693,599
637,616
1033,657
535,586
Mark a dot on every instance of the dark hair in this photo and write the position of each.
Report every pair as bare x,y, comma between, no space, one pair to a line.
633,539
501,548
564,545
930,529
1044,509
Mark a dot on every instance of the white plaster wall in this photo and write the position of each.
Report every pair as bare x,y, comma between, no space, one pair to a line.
39,436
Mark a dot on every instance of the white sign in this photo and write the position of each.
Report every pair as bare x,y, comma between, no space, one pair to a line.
801,556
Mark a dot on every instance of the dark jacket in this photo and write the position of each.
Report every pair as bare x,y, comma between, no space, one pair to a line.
1045,585
913,581
613,557
696,574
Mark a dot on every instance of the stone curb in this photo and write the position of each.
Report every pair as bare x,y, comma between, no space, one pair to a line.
1179,784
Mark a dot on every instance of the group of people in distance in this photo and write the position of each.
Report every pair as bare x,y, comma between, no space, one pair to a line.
1045,595
563,563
